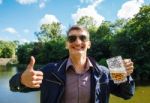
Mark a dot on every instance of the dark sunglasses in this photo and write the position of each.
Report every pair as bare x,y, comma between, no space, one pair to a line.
73,38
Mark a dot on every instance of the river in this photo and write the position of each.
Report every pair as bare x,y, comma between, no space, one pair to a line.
142,94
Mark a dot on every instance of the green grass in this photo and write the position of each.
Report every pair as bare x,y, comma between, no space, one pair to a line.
142,95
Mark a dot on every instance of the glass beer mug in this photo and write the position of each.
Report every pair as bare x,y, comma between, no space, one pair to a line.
117,70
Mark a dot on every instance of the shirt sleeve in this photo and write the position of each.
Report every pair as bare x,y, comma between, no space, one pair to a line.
124,90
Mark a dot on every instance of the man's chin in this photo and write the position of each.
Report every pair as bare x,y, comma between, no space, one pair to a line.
78,53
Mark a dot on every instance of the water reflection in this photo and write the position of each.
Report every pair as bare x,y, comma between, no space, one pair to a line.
6,96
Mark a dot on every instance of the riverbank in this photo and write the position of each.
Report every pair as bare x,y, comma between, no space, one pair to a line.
7,61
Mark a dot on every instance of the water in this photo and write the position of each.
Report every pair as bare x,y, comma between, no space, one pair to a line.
6,96
142,94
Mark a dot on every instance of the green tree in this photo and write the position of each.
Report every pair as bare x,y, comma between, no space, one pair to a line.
7,49
49,32
88,22
24,52
101,40
134,41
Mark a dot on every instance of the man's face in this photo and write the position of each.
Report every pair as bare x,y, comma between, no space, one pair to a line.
78,42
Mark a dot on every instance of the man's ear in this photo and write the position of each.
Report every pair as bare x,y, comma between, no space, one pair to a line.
66,45
89,44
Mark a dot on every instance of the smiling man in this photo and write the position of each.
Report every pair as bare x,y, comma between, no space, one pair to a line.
77,79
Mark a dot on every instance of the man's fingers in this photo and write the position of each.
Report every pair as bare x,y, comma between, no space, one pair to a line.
128,62
35,86
36,82
129,72
38,73
31,63
36,78
129,66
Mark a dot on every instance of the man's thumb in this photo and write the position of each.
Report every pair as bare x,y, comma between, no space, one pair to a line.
31,63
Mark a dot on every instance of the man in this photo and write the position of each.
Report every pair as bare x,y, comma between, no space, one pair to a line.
77,79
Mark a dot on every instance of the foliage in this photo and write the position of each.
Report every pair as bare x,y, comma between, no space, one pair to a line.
101,40
51,51
129,38
24,52
48,32
87,22
134,42
7,49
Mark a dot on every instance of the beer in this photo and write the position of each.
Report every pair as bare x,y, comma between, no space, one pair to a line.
117,69
118,76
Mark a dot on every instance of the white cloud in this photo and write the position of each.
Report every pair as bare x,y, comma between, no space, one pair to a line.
90,11
48,19
1,1
10,30
24,41
85,1
130,8
42,5
26,31
24,2
6,38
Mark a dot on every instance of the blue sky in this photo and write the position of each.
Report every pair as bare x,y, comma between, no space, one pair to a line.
19,19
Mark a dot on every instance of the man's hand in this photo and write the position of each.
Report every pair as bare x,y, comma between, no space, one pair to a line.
30,77
129,66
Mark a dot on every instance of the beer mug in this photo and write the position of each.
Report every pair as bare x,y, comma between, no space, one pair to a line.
117,70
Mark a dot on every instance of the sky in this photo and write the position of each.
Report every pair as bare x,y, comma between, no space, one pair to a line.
20,19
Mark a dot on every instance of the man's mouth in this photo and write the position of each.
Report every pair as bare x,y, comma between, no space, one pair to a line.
78,48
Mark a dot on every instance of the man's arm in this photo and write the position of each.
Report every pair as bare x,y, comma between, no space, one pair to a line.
16,85
124,90
29,80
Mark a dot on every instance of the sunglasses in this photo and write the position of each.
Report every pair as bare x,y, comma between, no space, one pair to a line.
73,38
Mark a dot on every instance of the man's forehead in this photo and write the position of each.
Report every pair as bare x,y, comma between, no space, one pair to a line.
83,32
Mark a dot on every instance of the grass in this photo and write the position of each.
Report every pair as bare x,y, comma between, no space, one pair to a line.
142,95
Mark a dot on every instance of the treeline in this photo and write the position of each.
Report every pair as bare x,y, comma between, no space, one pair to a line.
7,49
128,38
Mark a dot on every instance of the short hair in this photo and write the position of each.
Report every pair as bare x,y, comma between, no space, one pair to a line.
77,27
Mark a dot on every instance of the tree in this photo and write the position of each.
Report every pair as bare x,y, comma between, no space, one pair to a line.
134,41
49,32
24,52
118,25
7,49
101,40
87,22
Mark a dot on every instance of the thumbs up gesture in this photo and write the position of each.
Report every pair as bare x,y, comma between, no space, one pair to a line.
31,78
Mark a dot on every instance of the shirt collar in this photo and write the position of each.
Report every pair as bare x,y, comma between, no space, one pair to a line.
88,64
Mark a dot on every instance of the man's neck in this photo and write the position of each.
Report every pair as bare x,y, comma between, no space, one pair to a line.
79,63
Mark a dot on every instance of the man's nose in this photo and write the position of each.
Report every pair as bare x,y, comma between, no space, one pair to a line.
78,41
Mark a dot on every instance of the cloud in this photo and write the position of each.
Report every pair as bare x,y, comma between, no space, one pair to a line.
10,30
24,2
42,5
90,11
24,41
86,1
129,9
48,19
1,1
26,31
